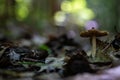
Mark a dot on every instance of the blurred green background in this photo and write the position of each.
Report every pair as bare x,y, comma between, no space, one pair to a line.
57,16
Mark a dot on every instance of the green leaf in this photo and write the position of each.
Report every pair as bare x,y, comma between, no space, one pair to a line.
45,47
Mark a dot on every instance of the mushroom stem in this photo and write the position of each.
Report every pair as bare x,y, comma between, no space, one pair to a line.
93,46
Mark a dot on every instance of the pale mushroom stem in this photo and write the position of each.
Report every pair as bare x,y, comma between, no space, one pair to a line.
93,46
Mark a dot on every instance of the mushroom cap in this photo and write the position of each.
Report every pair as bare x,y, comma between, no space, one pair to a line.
93,32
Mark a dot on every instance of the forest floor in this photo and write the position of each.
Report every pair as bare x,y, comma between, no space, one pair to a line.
59,58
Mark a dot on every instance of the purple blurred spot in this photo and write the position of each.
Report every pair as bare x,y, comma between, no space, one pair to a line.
91,24
71,34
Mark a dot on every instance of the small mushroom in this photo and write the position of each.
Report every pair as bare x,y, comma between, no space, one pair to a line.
93,33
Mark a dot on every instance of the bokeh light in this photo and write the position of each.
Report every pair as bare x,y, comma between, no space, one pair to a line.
73,6
90,24
59,17
78,11
22,9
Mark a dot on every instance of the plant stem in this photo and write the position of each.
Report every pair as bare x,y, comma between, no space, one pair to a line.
93,46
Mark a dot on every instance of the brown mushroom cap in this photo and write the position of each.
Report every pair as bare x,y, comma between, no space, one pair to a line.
93,32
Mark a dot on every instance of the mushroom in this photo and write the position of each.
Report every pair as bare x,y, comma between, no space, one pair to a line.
93,33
